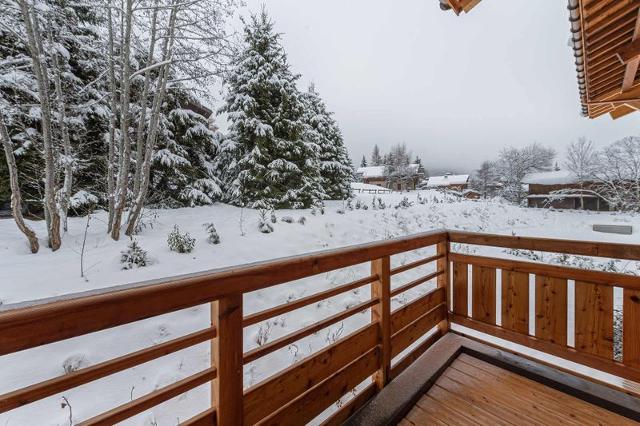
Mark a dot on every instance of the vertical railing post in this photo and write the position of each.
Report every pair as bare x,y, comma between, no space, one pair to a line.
226,355
381,314
442,249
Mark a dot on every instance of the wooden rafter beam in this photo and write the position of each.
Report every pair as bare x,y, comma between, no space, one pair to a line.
629,51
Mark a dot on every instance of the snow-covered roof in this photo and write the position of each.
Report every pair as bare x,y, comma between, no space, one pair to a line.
378,171
359,186
371,171
556,177
447,180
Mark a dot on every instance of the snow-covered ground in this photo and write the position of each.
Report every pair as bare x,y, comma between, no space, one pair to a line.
24,276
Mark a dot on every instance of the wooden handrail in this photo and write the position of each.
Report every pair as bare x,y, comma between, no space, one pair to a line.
305,301
35,392
283,341
584,248
381,349
412,265
600,277
50,322
152,399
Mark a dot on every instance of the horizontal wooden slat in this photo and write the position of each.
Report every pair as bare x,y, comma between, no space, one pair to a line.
305,301
274,345
410,358
317,399
415,283
152,399
206,418
50,387
613,367
408,266
412,332
405,315
347,410
597,277
267,397
46,322
584,248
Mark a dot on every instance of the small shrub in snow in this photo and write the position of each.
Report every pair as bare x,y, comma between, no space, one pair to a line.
181,243
133,256
381,204
147,221
263,223
340,211
274,219
349,204
302,220
404,203
358,204
212,233
287,219
365,207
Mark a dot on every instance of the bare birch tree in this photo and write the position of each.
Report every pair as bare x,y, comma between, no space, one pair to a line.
122,183
581,161
16,196
39,64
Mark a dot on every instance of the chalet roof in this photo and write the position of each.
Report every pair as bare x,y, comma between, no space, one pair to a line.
371,171
379,171
447,180
556,177
605,36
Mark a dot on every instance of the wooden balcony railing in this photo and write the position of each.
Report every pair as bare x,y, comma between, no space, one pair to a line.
593,300
383,348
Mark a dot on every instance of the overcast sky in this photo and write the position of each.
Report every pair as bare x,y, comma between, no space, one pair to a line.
454,89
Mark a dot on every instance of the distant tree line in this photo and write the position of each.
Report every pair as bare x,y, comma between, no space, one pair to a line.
612,173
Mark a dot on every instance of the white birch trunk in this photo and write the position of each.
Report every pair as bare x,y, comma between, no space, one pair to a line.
163,77
16,196
34,42
122,184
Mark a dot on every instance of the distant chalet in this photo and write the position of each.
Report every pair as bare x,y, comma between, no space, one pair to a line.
399,179
561,189
448,181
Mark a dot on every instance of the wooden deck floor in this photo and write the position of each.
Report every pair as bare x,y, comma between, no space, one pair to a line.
472,391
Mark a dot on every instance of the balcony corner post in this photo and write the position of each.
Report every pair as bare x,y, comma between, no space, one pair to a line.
443,248
226,355
381,314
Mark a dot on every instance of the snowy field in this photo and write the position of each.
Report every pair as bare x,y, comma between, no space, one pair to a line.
27,277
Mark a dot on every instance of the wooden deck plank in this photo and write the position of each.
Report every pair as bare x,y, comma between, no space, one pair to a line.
473,391
532,410
461,405
441,412
583,410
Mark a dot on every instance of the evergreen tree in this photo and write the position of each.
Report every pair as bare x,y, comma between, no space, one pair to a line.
71,33
277,168
183,171
376,159
336,170
363,163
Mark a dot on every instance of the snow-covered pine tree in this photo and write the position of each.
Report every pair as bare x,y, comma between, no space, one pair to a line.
336,170
277,167
183,172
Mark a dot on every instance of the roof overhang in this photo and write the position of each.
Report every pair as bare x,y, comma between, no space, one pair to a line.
605,36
